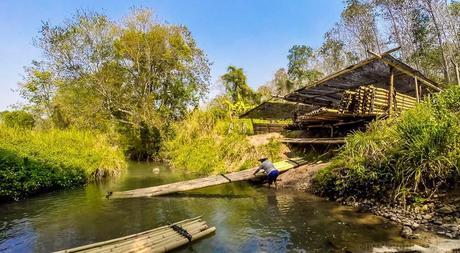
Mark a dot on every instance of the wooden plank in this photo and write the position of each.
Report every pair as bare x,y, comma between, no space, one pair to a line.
203,182
340,140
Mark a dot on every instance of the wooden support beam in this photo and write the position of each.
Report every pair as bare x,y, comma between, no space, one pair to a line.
424,82
417,95
391,91
457,73
390,63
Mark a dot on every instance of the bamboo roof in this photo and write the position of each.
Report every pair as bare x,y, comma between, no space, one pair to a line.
372,71
276,109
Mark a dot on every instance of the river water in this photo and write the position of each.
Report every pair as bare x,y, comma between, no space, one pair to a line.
248,218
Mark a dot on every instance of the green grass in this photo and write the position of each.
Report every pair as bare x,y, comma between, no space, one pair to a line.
400,159
209,142
36,161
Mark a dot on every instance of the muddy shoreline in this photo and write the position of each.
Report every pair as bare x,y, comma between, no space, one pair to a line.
434,225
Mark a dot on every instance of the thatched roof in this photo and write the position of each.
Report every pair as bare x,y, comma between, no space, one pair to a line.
373,71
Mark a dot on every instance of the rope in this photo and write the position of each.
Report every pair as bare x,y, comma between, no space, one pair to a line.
229,180
183,232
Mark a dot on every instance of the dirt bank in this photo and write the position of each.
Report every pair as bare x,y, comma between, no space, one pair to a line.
300,178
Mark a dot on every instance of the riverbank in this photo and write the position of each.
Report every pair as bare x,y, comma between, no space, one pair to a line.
36,161
437,223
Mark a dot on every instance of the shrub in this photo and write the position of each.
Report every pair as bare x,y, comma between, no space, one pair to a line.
405,158
213,141
36,161
17,119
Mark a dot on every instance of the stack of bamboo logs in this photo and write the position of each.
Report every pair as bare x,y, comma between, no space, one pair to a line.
160,239
346,103
364,100
401,101
373,100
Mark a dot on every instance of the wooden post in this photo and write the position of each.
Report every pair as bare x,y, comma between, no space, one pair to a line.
391,91
417,95
457,74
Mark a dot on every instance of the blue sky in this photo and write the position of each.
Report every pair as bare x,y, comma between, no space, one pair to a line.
255,35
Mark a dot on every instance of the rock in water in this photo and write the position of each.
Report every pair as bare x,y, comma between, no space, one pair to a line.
406,232
446,209
156,170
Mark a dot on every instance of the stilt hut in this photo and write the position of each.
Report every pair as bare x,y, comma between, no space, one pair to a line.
348,100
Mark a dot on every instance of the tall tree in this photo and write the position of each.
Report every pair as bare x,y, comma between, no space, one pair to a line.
235,83
301,69
431,8
38,88
138,74
359,20
333,53
281,82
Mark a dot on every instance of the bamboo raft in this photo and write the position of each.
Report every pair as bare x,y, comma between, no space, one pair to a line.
160,239
204,182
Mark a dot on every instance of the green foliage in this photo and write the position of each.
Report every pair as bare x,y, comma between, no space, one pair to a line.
281,82
235,83
36,161
133,77
213,141
38,89
405,158
20,119
142,143
300,68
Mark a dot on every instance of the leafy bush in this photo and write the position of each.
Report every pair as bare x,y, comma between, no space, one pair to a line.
17,119
36,161
405,158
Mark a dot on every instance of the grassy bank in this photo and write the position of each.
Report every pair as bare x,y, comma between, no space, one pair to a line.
212,141
405,159
36,161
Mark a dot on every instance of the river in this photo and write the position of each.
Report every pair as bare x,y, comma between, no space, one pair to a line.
248,218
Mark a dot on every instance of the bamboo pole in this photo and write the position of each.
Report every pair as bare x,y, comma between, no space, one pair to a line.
185,241
84,247
146,239
136,246
161,245
417,95
390,93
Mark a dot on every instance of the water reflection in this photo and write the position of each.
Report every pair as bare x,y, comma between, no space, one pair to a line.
248,218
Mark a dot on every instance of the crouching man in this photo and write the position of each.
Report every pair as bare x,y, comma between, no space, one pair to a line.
269,169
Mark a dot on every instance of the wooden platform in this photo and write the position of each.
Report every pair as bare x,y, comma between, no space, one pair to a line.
160,239
314,140
204,182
